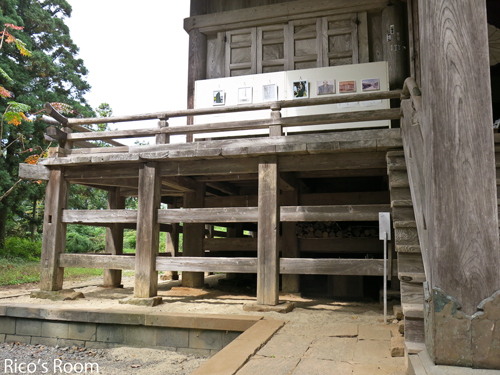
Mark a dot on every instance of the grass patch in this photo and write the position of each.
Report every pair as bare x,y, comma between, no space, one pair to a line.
19,271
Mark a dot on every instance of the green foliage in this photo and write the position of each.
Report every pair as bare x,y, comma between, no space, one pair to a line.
22,248
53,73
85,239
18,271
129,240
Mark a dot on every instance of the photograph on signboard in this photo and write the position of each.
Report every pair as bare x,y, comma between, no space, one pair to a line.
270,92
301,89
219,97
245,95
371,84
347,86
325,87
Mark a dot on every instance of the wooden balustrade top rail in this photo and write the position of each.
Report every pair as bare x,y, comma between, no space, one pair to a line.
76,122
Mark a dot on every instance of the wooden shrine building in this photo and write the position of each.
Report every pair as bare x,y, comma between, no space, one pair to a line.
306,120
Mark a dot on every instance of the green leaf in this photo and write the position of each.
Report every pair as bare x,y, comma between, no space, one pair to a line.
5,75
18,107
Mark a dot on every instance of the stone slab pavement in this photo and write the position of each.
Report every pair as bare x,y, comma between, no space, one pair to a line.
319,349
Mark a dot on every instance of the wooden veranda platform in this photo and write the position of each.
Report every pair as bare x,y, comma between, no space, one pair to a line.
256,184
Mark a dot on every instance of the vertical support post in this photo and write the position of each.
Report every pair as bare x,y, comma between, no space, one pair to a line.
289,242
54,232
148,232
384,222
197,68
193,237
267,243
276,130
172,246
114,240
162,139
460,181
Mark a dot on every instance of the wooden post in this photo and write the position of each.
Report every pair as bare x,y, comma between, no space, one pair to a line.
193,237
114,240
276,130
162,139
148,232
289,243
54,232
460,181
197,68
268,222
393,41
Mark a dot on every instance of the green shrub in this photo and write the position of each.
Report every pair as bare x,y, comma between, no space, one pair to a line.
23,248
76,243
130,239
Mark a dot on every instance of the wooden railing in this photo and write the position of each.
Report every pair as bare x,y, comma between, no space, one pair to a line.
413,145
275,122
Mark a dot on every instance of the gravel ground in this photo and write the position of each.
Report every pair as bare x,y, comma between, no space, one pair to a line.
16,357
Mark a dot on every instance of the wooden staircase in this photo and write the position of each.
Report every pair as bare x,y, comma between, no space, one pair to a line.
410,266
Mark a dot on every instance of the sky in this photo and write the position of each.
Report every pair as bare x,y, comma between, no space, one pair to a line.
136,54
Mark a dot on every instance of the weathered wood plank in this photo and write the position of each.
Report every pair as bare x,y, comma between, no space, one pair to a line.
111,216
306,266
33,172
333,213
460,190
278,13
209,215
97,261
268,236
148,232
54,232
197,264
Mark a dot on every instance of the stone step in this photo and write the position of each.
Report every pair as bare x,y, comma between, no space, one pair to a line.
414,347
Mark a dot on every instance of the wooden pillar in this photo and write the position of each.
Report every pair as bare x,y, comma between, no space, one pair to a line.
394,43
267,243
193,237
54,232
172,247
148,232
114,240
197,68
289,242
460,181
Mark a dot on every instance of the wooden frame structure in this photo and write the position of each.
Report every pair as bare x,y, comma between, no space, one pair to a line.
447,228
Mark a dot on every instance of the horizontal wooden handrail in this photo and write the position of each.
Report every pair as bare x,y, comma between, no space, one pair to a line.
73,122
331,118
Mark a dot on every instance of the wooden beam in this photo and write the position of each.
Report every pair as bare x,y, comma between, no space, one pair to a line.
116,182
224,187
98,261
34,172
180,183
196,264
114,240
358,267
268,236
333,213
99,216
193,235
278,13
54,232
148,232
209,215
197,68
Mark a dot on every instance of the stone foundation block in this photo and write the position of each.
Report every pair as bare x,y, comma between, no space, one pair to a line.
140,336
17,338
205,339
110,333
100,345
7,325
2,337
47,341
205,352
67,342
27,327
82,331
55,329
176,337
228,337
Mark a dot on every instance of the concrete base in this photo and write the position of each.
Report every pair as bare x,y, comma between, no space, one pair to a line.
421,364
57,295
283,308
151,302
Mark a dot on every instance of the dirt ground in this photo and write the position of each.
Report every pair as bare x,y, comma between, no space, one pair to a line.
219,297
